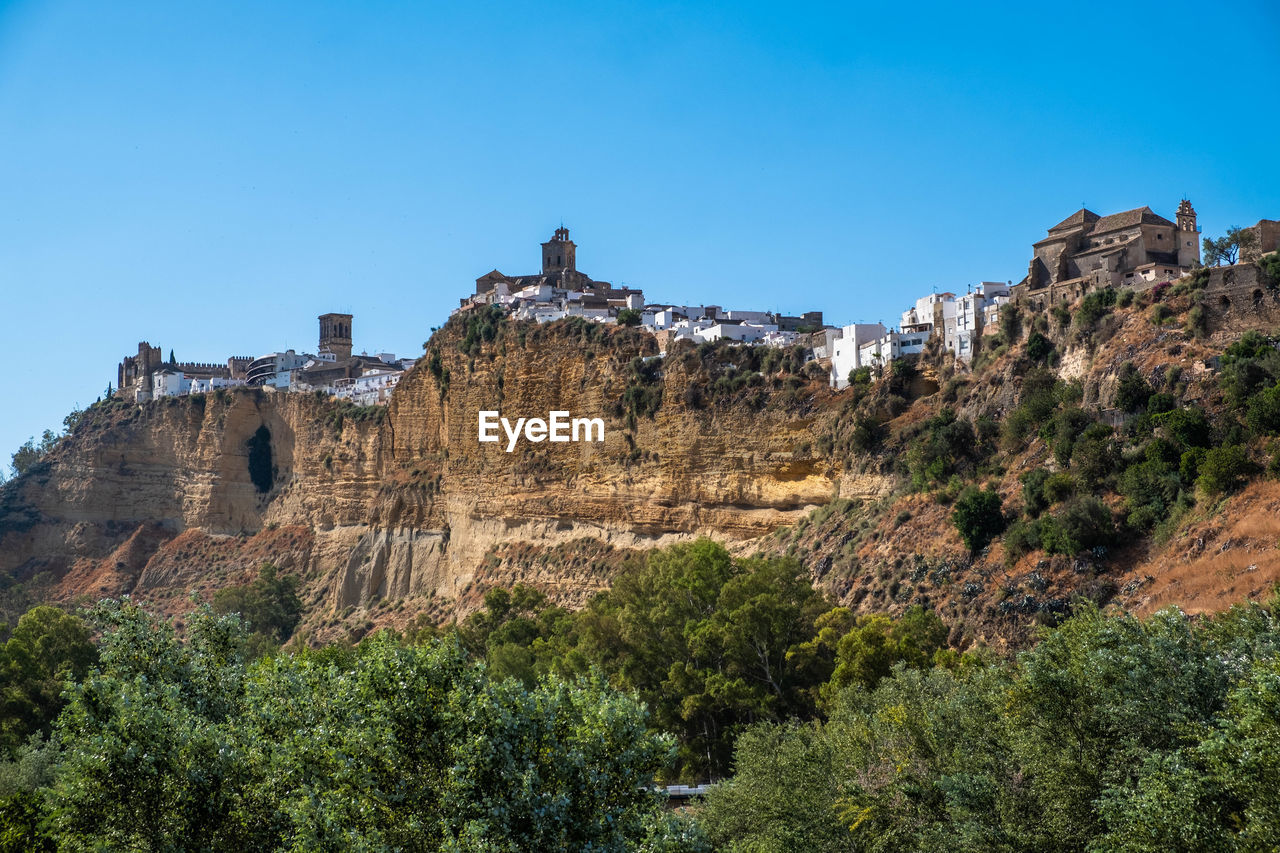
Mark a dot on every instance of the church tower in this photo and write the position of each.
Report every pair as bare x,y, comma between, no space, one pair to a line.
335,335
558,254
1188,235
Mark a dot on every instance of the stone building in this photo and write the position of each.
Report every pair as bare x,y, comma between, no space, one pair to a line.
135,376
559,272
1086,251
1268,233
335,335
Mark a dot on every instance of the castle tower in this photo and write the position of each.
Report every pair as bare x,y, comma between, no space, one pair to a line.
1188,235
558,254
335,335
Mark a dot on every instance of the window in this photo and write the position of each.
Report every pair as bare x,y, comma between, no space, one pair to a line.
1159,236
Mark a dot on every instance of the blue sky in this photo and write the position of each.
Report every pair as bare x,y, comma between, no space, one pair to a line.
212,176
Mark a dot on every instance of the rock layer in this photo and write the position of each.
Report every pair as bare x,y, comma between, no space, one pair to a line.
406,503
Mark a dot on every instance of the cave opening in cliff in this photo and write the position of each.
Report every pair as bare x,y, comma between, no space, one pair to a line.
261,471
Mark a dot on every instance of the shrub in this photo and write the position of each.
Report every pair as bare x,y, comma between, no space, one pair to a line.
1125,298
1082,523
1263,411
978,516
1010,322
1132,391
1058,486
1021,538
868,434
1160,313
945,445
1197,321
1034,501
480,327
643,394
1094,456
1093,307
1158,404
1038,347
1222,469
1188,427
1269,266
1064,429
1150,489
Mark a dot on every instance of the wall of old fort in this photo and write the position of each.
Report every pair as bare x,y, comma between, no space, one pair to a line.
1240,297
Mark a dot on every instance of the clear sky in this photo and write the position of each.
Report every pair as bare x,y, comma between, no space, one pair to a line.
212,176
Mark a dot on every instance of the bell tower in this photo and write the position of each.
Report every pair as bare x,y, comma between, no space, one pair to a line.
1188,235
558,254
335,335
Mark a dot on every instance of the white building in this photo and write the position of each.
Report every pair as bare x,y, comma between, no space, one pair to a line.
958,320
371,389
169,383
743,332
274,368
780,339
214,383
972,311
892,345
846,350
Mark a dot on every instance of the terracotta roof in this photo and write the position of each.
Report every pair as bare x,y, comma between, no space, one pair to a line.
1083,216
1128,219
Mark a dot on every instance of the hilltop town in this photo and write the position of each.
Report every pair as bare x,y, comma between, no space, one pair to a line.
1136,250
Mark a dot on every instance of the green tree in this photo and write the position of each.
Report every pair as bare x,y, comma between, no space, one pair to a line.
148,761
709,644
782,793
1223,468
48,648
26,456
175,744
1095,699
877,643
1132,391
978,516
269,605
1038,347
1228,248
629,317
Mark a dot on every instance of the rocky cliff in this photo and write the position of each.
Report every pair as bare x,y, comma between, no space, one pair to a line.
385,513
390,513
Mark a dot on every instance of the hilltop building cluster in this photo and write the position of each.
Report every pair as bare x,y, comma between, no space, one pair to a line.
363,379
1135,249
561,290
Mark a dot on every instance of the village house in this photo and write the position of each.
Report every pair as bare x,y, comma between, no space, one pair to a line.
846,350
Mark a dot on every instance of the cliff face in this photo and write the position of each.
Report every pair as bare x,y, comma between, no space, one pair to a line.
386,514
375,509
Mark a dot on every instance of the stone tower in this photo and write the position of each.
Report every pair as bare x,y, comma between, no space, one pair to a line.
558,254
335,335
1188,235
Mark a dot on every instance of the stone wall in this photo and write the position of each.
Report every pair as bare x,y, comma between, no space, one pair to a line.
1239,297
